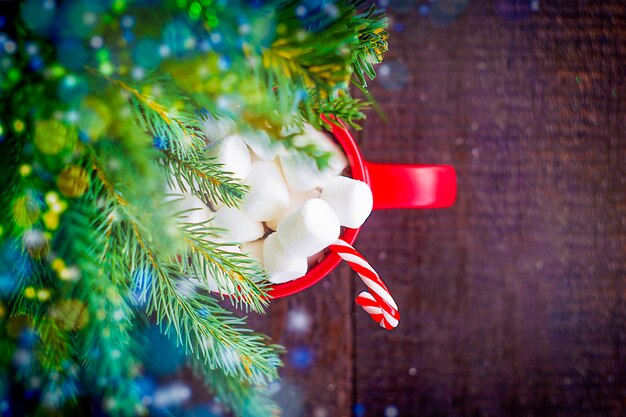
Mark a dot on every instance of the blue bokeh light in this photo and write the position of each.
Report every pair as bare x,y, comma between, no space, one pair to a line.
301,357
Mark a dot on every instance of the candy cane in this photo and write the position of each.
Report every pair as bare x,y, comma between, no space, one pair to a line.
379,304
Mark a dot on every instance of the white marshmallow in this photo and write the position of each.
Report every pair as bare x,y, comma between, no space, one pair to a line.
350,199
198,211
240,228
254,157
280,265
296,199
261,144
309,229
268,195
301,171
254,249
216,128
233,154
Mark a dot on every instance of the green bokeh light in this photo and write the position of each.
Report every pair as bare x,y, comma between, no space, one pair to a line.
194,10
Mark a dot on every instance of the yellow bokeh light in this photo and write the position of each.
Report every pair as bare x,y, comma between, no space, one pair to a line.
43,295
51,198
29,292
52,136
51,220
25,170
19,126
58,264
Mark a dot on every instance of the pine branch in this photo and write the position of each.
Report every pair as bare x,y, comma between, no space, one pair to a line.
11,150
238,275
55,348
180,132
204,178
138,202
372,43
242,399
205,258
195,320
204,328
179,136
119,235
105,344
344,108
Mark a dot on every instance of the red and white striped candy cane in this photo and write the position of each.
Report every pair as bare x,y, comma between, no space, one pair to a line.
379,304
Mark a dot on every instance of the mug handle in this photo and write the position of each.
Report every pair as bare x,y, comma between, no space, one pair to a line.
411,186
398,185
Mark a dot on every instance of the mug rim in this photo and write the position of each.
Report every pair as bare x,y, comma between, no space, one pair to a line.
358,171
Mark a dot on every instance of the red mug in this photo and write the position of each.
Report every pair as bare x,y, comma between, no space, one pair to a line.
393,186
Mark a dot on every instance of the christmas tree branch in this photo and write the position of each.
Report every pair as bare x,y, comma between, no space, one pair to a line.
344,108
204,328
105,344
242,399
87,230
196,321
205,178
371,27
181,132
234,273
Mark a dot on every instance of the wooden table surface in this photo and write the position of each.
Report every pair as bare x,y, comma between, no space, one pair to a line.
512,301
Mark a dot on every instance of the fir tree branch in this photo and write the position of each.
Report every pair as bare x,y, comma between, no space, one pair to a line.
236,274
195,320
120,235
204,178
242,399
344,108
11,150
181,141
205,259
55,348
204,328
181,132
105,344
372,43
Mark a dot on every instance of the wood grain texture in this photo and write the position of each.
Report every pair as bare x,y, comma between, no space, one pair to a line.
317,379
512,302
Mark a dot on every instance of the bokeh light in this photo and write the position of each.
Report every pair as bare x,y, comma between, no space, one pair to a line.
298,321
391,411
171,395
146,53
52,136
393,74
38,15
301,357
72,89
445,12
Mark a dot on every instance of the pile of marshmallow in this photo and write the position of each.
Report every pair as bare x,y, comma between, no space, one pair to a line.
293,209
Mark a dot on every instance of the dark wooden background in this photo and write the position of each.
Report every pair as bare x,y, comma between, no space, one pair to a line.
512,301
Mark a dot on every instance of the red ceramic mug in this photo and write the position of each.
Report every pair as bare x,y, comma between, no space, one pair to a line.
393,186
